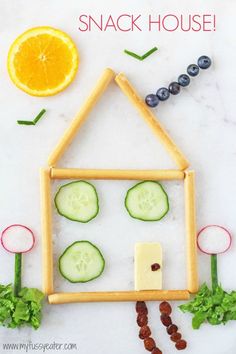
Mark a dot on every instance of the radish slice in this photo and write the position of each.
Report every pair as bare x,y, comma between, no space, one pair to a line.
214,239
17,239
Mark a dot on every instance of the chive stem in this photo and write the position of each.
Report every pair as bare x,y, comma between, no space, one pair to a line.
17,278
132,54
142,57
149,53
41,113
25,122
32,122
214,272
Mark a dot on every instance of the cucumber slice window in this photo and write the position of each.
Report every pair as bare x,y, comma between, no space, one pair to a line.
77,201
81,262
147,201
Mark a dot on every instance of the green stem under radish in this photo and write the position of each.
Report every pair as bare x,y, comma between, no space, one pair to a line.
214,272
17,277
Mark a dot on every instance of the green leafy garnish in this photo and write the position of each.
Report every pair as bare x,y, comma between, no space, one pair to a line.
34,121
24,309
141,57
215,307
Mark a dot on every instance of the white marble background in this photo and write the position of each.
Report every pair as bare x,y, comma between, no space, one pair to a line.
202,122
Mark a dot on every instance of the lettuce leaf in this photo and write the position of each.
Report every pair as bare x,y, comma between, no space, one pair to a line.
31,295
215,307
25,309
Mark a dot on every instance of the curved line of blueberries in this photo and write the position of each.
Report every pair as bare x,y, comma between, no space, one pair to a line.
162,94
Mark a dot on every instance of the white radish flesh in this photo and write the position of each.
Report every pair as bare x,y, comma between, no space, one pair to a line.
17,239
214,239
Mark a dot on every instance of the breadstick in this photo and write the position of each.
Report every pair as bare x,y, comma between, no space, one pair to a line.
46,213
115,296
152,121
75,173
70,133
190,215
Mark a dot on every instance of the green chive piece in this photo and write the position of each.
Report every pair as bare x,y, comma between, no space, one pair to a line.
144,56
154,49
32,122
214,272
132,54
25,122
41,113
17,277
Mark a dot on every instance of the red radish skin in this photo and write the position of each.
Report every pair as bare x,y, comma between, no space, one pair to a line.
4,235
225,232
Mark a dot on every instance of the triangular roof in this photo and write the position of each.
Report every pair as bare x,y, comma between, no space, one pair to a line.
136,100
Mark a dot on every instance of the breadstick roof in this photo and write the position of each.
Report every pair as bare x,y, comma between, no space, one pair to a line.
107,76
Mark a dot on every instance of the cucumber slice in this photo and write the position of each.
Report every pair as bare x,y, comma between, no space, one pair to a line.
81,262
147,201
77,201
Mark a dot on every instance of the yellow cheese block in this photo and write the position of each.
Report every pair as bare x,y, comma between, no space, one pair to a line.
146,255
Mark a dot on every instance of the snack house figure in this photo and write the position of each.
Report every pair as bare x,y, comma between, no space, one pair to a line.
83,261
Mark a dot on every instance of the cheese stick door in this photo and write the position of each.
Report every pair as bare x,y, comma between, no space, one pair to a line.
148,266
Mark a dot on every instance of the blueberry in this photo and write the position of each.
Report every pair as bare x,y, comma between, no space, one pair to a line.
174,88
204,62
152,100
193,70
184,80
163,94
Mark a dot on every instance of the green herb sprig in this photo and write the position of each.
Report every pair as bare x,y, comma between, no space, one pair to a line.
142,57
34,121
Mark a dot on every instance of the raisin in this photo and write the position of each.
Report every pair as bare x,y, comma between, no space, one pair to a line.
140,304
144,332
172,329
143,311
166,320
156,351
181,344
175,337
155,266
165,308
141,308
149,344
142,320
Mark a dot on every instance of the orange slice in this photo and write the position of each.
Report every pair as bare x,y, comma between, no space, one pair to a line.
43,61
